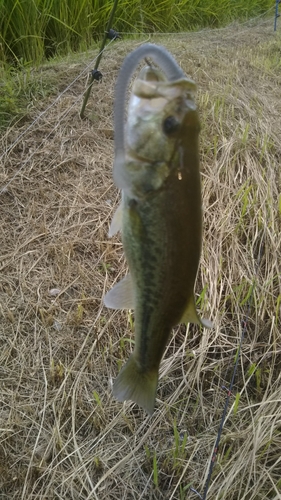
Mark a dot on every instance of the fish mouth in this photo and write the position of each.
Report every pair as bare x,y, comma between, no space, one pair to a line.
154,89
151,83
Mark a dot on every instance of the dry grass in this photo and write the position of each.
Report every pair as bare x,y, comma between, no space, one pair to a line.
63,436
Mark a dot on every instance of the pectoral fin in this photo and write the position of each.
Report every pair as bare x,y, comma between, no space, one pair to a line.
121,296
116,222
190,316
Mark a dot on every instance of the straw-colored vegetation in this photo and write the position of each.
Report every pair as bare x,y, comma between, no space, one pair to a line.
62,435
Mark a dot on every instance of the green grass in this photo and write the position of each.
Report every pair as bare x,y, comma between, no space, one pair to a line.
22,89
32,30
63,434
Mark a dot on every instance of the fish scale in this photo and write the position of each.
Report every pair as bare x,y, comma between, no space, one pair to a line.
160,218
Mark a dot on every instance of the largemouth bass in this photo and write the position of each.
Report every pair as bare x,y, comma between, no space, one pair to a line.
157,168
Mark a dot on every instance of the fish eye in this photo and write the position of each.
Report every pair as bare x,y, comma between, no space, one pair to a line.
170,125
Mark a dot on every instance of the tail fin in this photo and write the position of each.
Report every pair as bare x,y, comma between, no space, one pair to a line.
136,385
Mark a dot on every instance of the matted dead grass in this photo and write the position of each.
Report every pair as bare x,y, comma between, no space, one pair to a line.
63,436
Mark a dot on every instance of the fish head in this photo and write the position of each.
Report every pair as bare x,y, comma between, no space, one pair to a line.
160,112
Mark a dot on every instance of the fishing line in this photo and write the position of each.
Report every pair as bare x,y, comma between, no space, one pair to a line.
53,103
244,324
94,60
4,188
202,32
213,30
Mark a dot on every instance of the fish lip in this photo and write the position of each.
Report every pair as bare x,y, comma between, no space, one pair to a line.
169,90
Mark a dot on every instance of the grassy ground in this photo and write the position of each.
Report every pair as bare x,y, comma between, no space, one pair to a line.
62,435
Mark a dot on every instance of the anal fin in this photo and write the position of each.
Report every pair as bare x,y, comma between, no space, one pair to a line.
190,315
